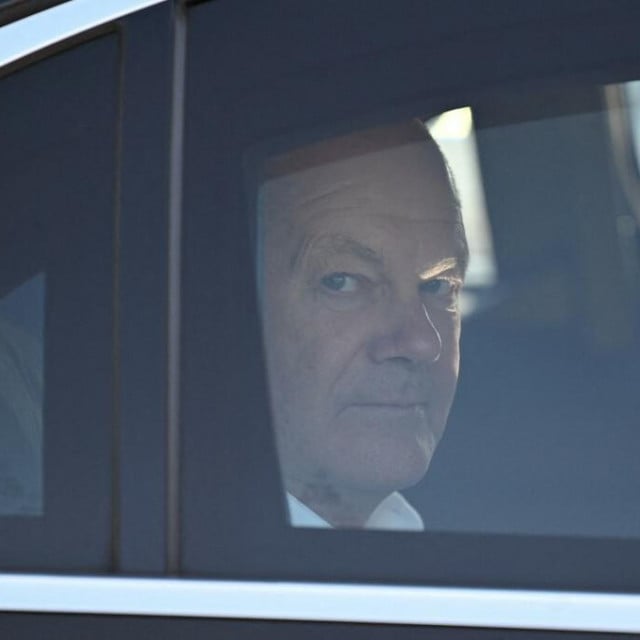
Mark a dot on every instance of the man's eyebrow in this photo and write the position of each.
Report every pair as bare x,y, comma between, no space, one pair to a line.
337,244
442,266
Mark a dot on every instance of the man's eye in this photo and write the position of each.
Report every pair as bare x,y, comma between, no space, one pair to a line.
441,287
340,283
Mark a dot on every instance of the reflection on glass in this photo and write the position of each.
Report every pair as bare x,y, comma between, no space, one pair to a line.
21,393
632,91
363,256
453,131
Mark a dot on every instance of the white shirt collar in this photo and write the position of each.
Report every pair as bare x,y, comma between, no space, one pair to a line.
394,513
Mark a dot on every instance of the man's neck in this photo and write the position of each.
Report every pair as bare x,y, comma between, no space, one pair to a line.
340,508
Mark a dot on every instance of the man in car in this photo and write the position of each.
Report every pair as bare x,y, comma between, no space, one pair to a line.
364,254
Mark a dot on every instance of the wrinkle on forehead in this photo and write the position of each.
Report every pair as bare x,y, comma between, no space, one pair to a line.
371,250
327,199
327,191
336,244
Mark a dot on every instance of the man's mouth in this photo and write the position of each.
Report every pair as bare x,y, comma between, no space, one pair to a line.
405,407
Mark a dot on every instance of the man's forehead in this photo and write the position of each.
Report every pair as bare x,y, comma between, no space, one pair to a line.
378,224
403,181
368,182
373,168
357,143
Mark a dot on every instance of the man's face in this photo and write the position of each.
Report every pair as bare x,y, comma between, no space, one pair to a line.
363,259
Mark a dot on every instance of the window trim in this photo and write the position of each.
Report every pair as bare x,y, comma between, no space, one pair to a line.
382,604
38,31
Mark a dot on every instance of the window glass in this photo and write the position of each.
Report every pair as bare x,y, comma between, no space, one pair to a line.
57,321
361,260
534,471
21,394
632,100
544,423
454,133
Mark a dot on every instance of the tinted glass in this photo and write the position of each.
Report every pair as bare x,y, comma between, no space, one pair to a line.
57,269
361,314
545,425
534,472
22,325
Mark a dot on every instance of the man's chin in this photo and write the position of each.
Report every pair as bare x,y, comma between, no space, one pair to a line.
385,445
385,471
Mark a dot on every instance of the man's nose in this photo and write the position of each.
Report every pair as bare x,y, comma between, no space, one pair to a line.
411,336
